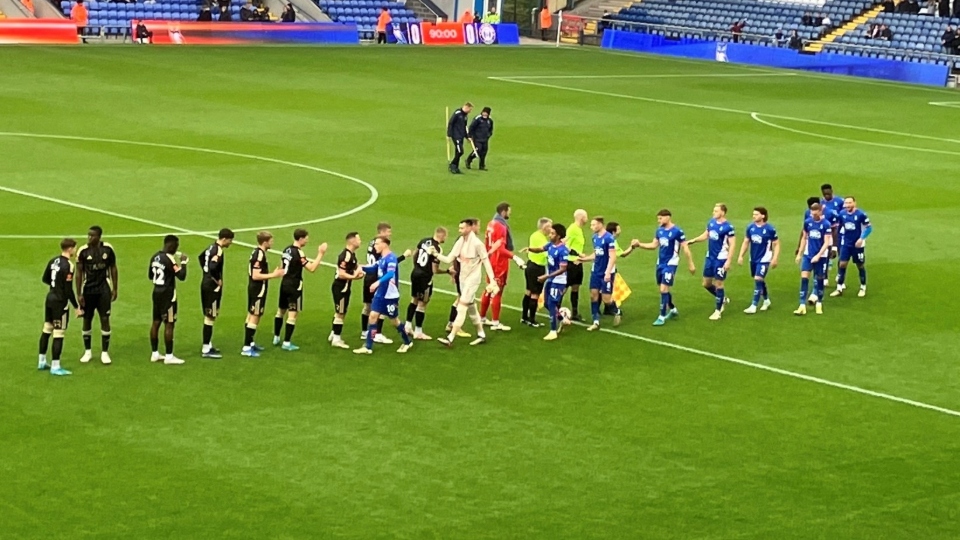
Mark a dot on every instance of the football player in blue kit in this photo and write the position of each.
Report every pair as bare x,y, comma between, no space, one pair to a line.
721,244
815,242
556,277
764,245
668,241
855,227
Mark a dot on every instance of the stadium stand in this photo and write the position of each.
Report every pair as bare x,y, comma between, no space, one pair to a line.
114,18
916,37
364,13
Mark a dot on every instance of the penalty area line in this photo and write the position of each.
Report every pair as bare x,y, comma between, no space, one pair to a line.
636,337
646,76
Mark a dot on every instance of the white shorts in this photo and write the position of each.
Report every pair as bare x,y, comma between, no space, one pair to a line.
468,293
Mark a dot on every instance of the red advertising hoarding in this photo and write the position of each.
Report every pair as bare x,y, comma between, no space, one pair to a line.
34,31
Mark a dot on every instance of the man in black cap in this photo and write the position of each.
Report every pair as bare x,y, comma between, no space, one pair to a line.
481,129
457,131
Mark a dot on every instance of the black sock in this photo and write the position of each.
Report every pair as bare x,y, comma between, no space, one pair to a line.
277,326
207,333
411,312
169,346
44,342
364,321
248,334
86,340
380,326
154,344
337,329
104,341
57,348
575,302
453,314
525,305
420,316
289,332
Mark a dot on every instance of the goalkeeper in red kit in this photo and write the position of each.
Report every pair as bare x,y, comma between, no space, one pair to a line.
499,243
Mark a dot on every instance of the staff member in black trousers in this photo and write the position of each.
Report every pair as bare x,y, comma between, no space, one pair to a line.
457,131
481,129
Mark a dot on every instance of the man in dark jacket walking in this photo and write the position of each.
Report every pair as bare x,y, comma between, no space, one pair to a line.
481,129
457,132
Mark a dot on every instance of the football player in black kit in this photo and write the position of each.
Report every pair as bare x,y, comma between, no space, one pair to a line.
348,270
58,277
385,231
259,274
211,289
96,282
425,266
165,269
293,261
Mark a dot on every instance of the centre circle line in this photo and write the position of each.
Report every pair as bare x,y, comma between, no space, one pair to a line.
374,194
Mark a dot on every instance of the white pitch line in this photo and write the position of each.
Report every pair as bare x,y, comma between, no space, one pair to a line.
743,112
756,117
374,194
649,76
948,104
651,341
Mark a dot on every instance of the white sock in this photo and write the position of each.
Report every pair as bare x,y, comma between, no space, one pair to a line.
419,330
55,364
206,348
169,357
496,322
43,358
286,343
481,335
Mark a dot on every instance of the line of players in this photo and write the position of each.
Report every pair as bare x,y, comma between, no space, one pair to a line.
96,280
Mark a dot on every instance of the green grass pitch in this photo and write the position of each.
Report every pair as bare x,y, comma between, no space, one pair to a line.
654,433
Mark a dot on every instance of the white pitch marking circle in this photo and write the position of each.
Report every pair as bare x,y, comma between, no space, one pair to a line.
374,194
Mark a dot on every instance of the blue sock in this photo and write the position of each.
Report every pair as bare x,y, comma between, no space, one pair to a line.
370,334
804,289
818,286
403,334
757,292
863,275
711,289
554,318
841,275
595,310
720,295
664,302
670,300
766,295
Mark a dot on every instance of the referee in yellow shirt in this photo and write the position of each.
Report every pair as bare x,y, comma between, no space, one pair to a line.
575,241
536,267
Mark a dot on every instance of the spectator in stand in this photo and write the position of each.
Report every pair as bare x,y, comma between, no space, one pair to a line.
466,18
142,34
289,14
225,14
929,8
908,6
873,32
825,24
605,22
80,18
546,21
888,6
382,21
476,18
949,40
795,42
492,17
248,13
263,13
779,38
943,8
886,33
205,15
737,29
807,19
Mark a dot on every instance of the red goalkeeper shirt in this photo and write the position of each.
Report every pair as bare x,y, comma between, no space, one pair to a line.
501,257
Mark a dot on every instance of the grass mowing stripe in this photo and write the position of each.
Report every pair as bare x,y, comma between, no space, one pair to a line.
651,341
